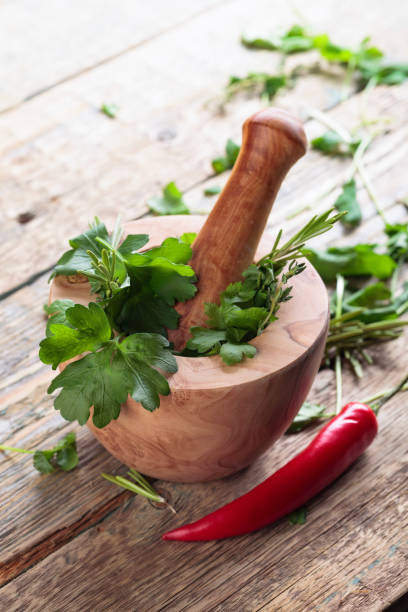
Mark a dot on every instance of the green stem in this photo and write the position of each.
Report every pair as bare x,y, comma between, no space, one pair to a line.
388,395
16,450
339,308
339,390
381,394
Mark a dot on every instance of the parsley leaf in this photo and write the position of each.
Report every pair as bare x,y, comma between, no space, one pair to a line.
56,311
397,244
89,329
358,260
347,202
266,84
110,110
331,143
295,40
204,339
105,379
234,353
221,164
170,203
307,414
63,455
211,191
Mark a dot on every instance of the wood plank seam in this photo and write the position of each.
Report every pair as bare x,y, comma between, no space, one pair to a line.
305,544
23,562
112,57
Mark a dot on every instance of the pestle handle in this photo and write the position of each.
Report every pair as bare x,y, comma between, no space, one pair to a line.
272,141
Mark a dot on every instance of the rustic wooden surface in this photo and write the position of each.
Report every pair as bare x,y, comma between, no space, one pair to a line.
73,540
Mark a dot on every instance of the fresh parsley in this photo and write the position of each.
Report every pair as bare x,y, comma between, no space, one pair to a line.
247,307
119,341
347,202
63,455
110,110
221,164
170,202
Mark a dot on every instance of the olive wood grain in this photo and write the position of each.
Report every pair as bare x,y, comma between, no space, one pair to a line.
218,418
272,141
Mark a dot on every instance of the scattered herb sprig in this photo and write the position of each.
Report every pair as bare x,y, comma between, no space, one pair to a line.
63,455
138,485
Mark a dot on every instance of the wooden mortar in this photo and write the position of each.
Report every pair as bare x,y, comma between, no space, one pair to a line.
218,419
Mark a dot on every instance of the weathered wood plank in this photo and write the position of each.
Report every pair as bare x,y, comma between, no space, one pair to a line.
49,230
64,162
53,41
356,530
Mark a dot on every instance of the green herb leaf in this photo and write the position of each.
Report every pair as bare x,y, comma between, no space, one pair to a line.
133,243
307,415
204,339
331,143
234,353
347,202
100,380
63,455
397,245
170,203
298,517
358,260
211,191
57,314
294,40
42,463
221,164
89,329
106,378
110,110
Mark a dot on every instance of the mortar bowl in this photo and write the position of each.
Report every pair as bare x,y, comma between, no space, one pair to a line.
218,419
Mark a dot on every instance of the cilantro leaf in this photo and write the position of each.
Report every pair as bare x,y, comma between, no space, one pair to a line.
358,260
221,164
347,202
170,203
234,353
57,314
89,329
307,414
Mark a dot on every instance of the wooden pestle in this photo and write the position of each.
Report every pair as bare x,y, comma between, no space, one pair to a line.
272,141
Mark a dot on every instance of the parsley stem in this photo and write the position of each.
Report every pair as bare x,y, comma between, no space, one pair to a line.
339,307
17,450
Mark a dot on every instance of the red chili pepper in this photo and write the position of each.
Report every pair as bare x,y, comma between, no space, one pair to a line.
329,454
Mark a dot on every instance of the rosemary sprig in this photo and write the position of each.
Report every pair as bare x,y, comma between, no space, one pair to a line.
141,486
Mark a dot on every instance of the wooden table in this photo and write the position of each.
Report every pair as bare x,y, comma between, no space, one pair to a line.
73,541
